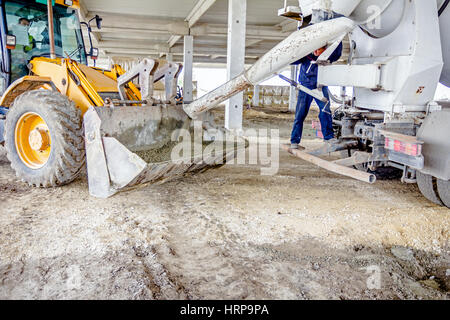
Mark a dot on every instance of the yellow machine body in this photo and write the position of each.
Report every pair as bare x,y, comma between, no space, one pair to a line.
117,131
124,124
83,85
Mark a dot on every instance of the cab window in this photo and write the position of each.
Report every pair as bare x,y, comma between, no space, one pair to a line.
28,22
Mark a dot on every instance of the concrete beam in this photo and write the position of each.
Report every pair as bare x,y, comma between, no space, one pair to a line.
237,19
200,7
252,31
145,33
221,60
252,42
135,44
259,33
204,60
288,26
173,40
198,51
127,21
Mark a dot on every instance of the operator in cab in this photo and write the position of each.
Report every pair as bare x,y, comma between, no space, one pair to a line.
25,43
308,78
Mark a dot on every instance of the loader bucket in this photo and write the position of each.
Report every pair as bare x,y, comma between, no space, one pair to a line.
129,146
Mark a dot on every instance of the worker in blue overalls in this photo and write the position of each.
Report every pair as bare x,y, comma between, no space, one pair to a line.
308,78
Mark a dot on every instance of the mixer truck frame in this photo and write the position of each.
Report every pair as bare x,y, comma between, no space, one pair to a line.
394,68
395,63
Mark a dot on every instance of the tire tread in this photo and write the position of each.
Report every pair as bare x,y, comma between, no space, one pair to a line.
65,123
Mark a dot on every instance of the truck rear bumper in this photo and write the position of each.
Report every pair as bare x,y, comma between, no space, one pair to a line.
410,161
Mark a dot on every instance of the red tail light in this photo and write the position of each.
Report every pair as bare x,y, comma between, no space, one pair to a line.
409,149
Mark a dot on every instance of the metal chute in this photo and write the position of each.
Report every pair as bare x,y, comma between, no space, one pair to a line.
296,46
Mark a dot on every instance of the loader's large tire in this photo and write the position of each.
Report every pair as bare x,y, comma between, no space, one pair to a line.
444,191
59,153
428,186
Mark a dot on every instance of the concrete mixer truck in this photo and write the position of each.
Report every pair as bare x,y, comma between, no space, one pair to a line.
399,52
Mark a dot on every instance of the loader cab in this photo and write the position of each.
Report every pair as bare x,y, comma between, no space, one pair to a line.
24,36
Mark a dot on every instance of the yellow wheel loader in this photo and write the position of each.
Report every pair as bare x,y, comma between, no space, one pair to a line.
57,114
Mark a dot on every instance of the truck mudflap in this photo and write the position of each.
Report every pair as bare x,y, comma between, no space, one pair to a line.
130,146
435,133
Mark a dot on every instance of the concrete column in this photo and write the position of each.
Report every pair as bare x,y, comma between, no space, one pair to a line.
293,91
188,62
237,19
256,91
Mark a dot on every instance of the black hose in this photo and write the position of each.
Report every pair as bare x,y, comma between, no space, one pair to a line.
443,7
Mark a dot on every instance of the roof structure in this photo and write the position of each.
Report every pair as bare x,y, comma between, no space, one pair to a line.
155,28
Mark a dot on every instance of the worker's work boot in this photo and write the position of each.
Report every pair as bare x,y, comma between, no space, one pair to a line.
332,145
295,146
332,142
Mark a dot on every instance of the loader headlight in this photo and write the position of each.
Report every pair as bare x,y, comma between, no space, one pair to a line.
68,3
11,42
94,53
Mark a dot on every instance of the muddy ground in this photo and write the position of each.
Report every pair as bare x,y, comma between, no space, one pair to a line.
226,234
